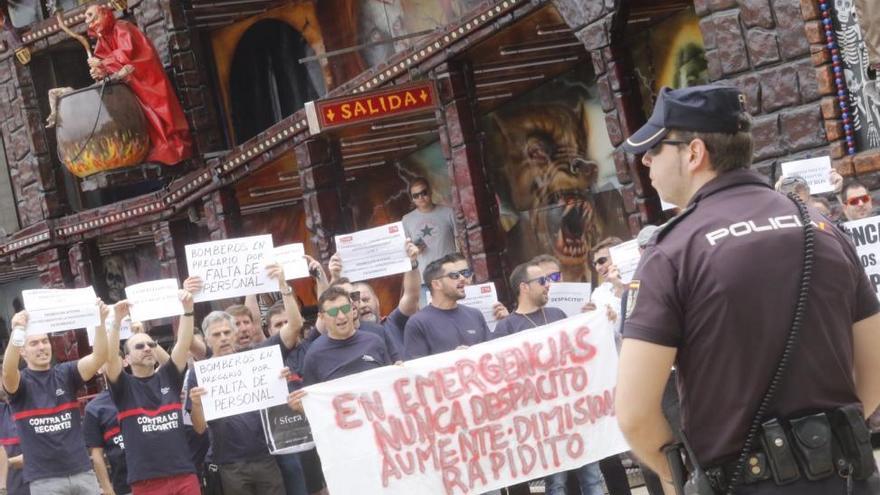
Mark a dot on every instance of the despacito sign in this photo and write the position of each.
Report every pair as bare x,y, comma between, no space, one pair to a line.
368,107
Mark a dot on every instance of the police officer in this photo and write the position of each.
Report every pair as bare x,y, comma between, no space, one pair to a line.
715,294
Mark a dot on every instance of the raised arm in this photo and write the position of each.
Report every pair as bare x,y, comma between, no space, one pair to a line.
114,360
412,282
180,352
317,272
335,268
197,414
89,365
197,347
11,357
290,334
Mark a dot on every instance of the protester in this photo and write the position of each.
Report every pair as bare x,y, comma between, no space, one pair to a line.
822,206
431,227
249,333
700,302
43,401
607,294
798,185
14,461
238,446
367,304
150,412
104,438
857,201
444,324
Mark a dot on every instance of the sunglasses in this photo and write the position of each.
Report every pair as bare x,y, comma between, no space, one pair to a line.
601,261
354,296
795,179
546,279
655,150
333,312
859,200
419,194
142,345
466,273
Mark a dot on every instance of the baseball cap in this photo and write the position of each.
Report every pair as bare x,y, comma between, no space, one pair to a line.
707,108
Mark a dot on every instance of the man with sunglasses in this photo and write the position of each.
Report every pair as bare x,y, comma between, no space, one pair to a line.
342,350
431,227
445,325
857,201
606,296
150,412
715,294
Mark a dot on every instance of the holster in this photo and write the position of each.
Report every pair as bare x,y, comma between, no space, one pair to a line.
812,445
779,453
854,439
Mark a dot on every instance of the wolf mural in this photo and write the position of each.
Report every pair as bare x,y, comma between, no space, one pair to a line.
545,176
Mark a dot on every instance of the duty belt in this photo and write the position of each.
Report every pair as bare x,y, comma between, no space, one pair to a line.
813,447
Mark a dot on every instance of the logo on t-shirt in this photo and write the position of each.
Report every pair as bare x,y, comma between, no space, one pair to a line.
368,358
472,332
165,390
59,391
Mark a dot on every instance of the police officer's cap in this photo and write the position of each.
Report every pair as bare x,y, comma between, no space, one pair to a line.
711,108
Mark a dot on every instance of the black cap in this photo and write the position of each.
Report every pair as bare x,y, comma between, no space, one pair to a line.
699,108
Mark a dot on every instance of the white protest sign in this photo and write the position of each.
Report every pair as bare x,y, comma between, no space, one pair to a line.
231,267
816,171
55,310
373,253
292,261
124,327
472,420
626,256
482,297
570,297
153,300
865,234
241,382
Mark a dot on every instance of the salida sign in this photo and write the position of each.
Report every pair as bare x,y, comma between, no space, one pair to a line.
368,107
476,419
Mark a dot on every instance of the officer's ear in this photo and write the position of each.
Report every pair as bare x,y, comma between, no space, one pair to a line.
697,155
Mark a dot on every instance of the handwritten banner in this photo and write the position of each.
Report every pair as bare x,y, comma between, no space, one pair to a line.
570,297
56,310
373,253
241,382
231,267
153,300
816,171
473,420
865,234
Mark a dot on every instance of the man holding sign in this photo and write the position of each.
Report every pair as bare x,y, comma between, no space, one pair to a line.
150,413
238,445
43,400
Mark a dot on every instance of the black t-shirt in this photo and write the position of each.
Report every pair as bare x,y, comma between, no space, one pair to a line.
151,417
433,330
383,333
15,484
328,358
49,423
101,430
394,324
720,284
516,322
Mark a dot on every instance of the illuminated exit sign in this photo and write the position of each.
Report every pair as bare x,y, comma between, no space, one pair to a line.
387,103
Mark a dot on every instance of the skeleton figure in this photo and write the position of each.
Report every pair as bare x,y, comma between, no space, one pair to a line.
864,94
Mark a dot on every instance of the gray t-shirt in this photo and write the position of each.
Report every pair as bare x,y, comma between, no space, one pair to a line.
435,228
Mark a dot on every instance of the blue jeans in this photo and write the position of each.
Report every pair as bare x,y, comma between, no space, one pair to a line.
292,474
589,477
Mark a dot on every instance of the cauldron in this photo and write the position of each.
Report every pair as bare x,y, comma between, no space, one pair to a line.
99,128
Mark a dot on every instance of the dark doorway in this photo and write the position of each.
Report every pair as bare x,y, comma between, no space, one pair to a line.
268,83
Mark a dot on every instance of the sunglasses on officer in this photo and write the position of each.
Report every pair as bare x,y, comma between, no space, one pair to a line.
659,146
546,279
142,345
333,312
859,200
466,273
